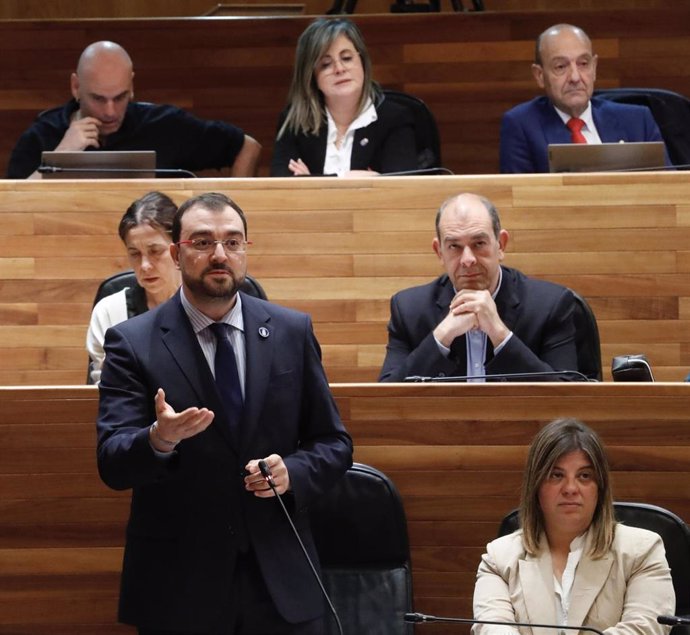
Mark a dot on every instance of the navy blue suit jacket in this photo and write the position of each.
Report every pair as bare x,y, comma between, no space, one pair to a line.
190,514
386,145
528,129
539,313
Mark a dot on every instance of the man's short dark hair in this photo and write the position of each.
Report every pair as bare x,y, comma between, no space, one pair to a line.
213,201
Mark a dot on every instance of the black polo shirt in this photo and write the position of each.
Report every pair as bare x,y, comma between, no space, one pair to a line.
181,141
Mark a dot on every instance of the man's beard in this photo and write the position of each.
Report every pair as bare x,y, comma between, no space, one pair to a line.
205,288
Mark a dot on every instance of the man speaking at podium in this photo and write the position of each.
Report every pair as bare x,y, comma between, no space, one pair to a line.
479,318
103,116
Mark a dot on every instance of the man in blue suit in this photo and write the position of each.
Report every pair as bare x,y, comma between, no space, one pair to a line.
565,68
208,551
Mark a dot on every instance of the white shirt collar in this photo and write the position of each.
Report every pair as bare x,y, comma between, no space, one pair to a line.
338,160
589,130
200,320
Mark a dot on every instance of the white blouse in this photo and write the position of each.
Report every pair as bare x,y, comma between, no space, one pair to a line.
338,160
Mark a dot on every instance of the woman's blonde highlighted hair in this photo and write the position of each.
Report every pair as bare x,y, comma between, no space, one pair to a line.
306,110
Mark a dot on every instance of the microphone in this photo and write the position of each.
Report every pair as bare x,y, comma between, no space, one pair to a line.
416,618
538,375
54,169
673,620
268,477
657,168
419,172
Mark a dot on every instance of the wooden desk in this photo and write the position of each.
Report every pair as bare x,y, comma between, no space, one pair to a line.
456,453
340,248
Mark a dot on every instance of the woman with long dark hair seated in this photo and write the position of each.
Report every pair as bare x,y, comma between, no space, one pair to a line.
145,230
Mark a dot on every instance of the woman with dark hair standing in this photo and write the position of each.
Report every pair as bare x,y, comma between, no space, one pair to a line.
571,563
145,231
338,121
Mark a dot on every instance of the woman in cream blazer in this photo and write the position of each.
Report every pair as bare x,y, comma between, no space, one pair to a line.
571,563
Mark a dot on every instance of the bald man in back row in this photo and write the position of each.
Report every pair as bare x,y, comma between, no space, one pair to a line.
565,68
102,115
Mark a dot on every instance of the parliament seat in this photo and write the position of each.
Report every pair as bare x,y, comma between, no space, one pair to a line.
360,531
670,110
426,130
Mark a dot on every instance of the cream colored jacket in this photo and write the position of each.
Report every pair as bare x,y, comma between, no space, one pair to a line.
621,593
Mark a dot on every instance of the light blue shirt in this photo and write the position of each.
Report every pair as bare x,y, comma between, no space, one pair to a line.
207,340
476,344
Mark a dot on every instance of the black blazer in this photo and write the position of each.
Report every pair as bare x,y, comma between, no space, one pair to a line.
190,514
539,313
386,145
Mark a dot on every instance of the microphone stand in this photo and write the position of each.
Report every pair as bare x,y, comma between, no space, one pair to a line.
54,169
420,172
268,477
416,618
500,377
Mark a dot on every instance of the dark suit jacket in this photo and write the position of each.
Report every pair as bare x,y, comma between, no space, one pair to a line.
539,313
528,129
386,145
190,513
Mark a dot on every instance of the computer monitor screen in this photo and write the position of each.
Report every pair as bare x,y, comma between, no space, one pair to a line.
606,157
98,164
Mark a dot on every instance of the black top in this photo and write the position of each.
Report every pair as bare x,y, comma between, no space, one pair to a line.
181,140
136,300
385,145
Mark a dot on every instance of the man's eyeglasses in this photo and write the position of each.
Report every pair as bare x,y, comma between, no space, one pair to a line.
206,245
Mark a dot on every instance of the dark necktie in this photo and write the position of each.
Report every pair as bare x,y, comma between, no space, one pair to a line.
227,377
575,125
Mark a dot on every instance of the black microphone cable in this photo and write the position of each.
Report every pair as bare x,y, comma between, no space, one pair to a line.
268,477
499,377
416,618
54,169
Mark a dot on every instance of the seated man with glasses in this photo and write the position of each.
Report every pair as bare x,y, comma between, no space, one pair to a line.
565,68
194,395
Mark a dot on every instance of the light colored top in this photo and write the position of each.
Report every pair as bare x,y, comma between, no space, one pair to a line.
108,311
621,593
338,159
564,586
476,345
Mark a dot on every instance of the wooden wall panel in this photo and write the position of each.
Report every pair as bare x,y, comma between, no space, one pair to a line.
65,9
339,249
469,67
456,454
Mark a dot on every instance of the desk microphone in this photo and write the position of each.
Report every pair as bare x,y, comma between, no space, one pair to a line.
536,375
658,168
417,618
268,477
54,169
673,620
419,172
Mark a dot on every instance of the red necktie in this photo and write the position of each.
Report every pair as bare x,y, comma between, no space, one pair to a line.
575,126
